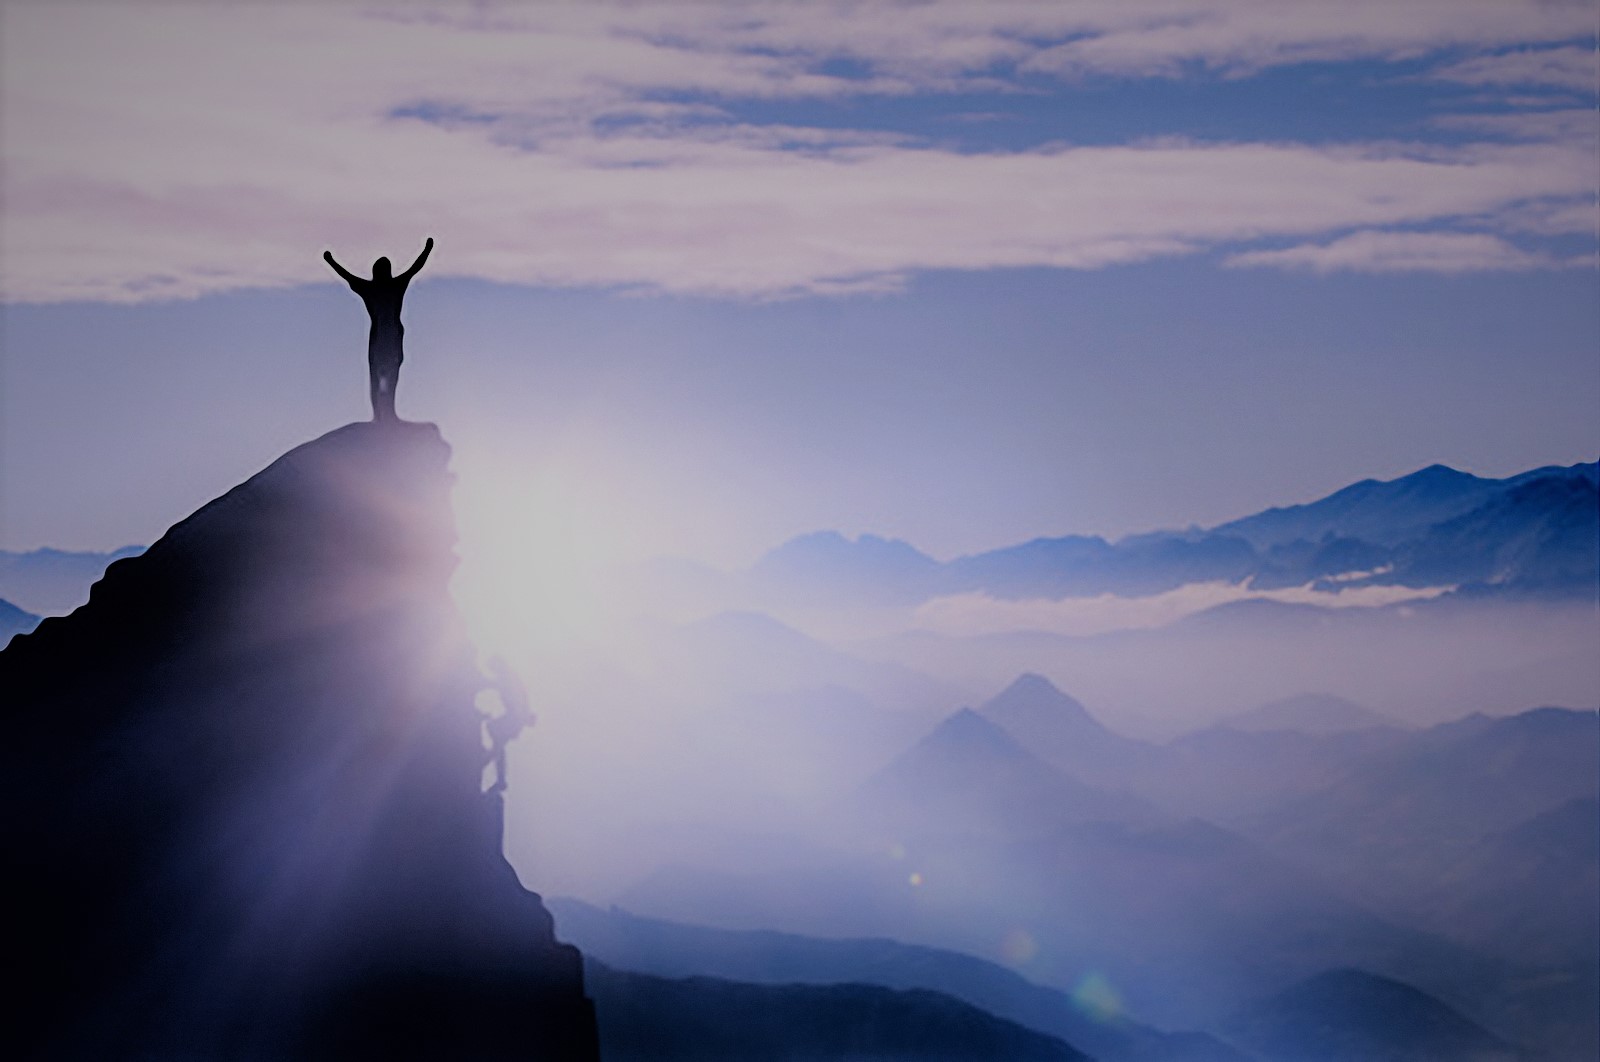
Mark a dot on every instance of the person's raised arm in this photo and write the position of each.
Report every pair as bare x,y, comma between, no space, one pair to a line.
350,277
423,257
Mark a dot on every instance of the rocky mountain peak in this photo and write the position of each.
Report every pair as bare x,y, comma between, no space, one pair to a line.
243,791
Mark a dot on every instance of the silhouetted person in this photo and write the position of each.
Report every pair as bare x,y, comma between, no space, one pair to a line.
383,294
514,716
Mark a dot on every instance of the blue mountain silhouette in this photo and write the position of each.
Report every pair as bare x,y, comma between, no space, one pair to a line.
1532,534
1348,1014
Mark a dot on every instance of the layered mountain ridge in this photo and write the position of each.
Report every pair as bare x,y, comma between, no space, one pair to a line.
1529,535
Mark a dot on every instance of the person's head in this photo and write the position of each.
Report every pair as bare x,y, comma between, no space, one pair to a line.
381,269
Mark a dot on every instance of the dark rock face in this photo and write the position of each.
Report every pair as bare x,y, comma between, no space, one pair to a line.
242,793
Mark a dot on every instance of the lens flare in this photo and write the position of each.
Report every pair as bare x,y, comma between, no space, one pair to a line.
1096,997
1019,947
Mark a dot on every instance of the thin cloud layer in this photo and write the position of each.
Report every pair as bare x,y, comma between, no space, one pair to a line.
168,152
976,614
1404,252
1567,67
1572,125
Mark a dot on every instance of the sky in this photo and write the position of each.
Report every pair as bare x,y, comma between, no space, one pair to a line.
709,276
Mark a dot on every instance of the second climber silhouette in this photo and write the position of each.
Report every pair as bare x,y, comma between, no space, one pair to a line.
382,296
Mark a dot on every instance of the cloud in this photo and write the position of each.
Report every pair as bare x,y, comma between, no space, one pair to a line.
923,42
1570,125
973,614
1568,67
1404,252
171,151
1238,37
1575,217
717,215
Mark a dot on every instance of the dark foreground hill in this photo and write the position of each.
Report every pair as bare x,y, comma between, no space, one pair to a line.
659,948
696,1019
241,793
1353,1016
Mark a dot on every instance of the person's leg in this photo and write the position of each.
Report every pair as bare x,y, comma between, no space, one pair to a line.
383,371
383,395
392,372
375,381
375,366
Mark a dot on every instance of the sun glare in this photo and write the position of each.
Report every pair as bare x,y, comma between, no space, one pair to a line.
539,553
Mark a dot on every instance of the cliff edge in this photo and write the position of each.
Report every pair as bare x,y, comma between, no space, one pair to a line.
242,792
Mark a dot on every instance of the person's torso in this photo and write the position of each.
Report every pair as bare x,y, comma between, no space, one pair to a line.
382,299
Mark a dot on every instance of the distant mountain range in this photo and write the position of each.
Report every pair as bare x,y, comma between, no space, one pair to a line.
54,581
1310,713
1216,868
1390,512
1484,831
1324,781
1059,730
1536,534
970,776
14,620
1254,760
1451,826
